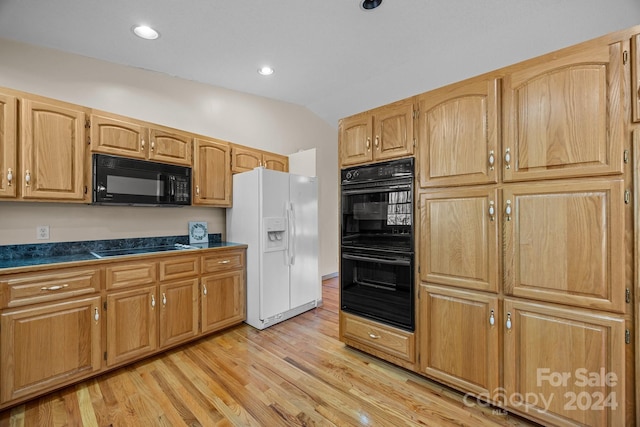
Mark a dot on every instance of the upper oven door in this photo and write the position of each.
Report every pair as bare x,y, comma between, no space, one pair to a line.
378,214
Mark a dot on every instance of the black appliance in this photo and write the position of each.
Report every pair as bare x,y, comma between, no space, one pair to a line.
377,250
123,181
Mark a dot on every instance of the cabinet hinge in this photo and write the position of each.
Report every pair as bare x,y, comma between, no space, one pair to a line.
104,305
627,197
88,140
416,114
87,124
625,157
627,336
625,57
86,190
627,296
105,355
414,143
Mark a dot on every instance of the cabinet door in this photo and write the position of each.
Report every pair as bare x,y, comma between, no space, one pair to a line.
244,159
178,311
131,324
456,324
458,135
393,131
8,146
564,366
118,136
212,173
355,140
48,346
223,300
275,162
635,77
459,238
564,243
170,147
564,117
52,142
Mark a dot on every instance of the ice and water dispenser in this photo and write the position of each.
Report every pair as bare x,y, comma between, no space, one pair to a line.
275,237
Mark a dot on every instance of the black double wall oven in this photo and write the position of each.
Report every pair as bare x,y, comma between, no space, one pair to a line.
377,251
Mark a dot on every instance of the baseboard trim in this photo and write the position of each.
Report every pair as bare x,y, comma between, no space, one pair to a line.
330,276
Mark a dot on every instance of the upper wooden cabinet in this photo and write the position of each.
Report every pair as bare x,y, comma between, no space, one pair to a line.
212,173
458,134
8,145
565,117
635,77
52,151
245,159
381,134
123,136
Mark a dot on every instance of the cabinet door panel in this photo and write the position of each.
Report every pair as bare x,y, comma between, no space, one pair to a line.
118,137
48,346
169,147
458,135
565,243
635,77
131,324
178,311
565,117
275,162
550,352
459,238
212,160
355,140
53,151
245,159
8,146
393,131
456,324
223,300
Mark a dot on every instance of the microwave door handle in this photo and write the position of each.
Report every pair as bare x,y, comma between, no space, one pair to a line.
172,188
401,262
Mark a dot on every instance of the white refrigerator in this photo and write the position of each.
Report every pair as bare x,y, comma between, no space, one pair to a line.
276,215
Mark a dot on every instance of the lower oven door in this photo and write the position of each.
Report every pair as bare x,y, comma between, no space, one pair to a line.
378,285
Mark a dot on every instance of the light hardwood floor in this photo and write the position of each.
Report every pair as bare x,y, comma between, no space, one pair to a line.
296,373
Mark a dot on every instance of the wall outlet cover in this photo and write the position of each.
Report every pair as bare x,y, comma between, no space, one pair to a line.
198,232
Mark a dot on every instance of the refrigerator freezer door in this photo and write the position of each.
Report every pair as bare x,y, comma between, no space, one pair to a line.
304,278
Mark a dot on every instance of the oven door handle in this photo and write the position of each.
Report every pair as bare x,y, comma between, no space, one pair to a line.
350,192
396,261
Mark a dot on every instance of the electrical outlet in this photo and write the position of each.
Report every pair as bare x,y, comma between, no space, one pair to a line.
42,232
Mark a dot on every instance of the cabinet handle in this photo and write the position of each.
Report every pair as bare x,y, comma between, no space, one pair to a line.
492,160
377,142
54,288
198,190
164,299
226,261
368,143
153,145
507,210
374,336
507,158
492,319
96,314
9,176
508,324
27,178
204,289
142,146
153,301
492,210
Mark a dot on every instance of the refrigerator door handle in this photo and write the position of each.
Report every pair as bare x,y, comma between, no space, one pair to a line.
292,234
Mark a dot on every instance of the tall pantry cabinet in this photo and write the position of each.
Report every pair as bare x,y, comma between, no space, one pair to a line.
524,236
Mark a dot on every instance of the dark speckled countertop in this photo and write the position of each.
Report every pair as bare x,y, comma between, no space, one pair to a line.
12,256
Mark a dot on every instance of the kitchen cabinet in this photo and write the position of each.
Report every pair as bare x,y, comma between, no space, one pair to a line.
382,134
562,365
459,238
8,145
212,179
458,134
564,242
635,77
565,117
178,311
245,159
460,338
123,136
35,346
52,151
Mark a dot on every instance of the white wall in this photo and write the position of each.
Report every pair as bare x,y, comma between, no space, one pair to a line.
233,116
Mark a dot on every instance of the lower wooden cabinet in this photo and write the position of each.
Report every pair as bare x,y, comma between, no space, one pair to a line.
223,300
178,312
36,351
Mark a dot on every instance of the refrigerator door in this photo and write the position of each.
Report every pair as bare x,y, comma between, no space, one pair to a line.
274,282
303,246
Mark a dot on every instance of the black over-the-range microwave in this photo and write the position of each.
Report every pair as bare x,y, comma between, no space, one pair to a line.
123,181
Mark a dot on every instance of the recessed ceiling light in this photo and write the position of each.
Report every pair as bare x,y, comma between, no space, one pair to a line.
265,71
145,32
370,4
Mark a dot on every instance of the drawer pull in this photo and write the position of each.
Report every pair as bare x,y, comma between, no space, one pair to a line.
226,261
374,336
54,288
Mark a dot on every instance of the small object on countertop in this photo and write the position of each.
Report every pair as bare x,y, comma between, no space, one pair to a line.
198,232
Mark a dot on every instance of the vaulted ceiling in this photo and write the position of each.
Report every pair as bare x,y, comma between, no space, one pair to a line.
330,56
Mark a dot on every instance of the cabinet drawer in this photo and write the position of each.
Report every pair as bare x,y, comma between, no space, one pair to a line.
124,275
384,338
228,260
179,267
27,289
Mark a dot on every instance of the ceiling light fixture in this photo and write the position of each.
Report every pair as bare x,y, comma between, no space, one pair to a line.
265,71
145,32
370,4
